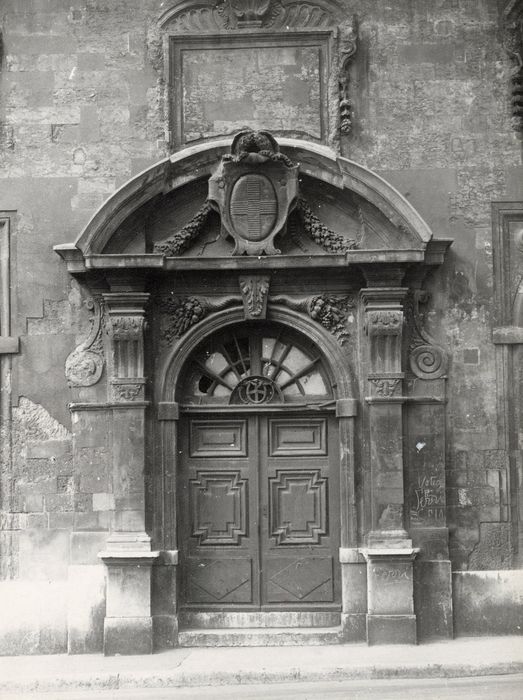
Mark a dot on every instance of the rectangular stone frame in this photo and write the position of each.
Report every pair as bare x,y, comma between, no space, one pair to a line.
9,345
508,338
269,41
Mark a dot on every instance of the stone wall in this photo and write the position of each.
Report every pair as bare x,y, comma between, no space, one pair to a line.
82,109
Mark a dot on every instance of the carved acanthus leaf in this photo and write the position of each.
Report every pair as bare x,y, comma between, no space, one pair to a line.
180,241
329,240
84,366
254,290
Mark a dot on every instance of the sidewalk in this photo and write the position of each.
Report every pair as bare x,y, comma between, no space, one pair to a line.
226,666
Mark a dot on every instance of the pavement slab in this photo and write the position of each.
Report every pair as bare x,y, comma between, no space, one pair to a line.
464,657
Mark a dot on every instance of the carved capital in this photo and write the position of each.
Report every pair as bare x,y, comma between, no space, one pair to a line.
128,390
385,387
384,328
384,322
125,325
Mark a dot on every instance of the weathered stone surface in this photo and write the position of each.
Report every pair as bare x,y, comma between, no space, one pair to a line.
487,602
85,608
84,107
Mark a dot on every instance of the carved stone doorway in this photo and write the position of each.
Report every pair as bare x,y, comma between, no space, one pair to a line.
258,482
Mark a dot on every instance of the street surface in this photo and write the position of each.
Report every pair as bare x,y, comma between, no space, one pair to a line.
508,687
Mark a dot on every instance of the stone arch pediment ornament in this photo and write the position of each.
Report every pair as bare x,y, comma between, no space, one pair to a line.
196,162
253,188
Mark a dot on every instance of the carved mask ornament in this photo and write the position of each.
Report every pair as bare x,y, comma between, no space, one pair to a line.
255,189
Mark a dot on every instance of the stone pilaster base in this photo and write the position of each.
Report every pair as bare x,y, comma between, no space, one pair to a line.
391,629
128,625
390,594
128,635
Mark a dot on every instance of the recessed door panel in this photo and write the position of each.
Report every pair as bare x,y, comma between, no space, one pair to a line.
259,514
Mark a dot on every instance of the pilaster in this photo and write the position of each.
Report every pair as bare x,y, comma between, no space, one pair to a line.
390,554
128,625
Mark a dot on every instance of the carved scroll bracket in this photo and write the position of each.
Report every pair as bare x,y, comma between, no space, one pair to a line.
84,366
427,360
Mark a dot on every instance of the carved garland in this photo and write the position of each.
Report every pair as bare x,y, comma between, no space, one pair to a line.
514,48
329,240
84,366
180,241
345,106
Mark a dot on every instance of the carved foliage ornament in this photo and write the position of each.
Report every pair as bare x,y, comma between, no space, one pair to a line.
328,310
384,322
385,387
208,15
84,366
254,190
514,48
181,240
328,240
178,315
254,290
346,56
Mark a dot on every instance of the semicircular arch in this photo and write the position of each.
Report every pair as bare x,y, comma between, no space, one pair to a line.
332,353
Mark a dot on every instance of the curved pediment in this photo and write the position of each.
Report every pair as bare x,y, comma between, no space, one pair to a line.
214,201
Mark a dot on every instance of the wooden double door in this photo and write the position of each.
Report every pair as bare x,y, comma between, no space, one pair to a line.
259,511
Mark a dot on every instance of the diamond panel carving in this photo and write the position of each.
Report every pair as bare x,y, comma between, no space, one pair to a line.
309,578
298,507
227,580
219,508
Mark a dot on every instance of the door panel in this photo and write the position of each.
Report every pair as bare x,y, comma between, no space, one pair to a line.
300,487
258,500
291,437
218,508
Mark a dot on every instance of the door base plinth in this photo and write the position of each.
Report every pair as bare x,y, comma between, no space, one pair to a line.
264,637
391,629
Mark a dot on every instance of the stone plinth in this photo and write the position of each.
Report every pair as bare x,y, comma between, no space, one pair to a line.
390,594
128,625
